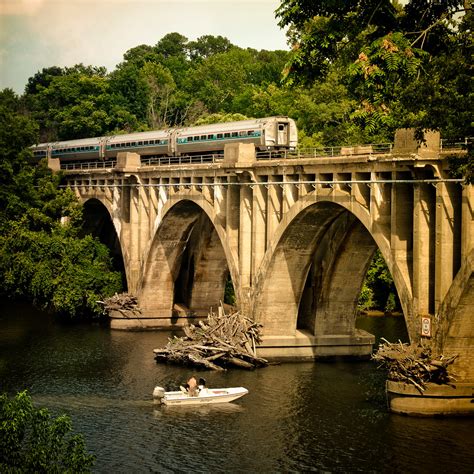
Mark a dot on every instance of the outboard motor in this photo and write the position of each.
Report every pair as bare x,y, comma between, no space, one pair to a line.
158,394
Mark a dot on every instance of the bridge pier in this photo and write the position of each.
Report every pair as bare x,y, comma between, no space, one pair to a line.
296,236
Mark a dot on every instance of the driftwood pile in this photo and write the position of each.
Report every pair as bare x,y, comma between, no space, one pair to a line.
122,304
223,340
414,364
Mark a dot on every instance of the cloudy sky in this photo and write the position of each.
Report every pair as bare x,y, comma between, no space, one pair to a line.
40,33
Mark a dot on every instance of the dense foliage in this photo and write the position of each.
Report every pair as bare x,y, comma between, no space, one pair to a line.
43,257
31,440
404,63
378,291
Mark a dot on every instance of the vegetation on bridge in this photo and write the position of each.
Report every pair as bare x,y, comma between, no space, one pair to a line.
356,72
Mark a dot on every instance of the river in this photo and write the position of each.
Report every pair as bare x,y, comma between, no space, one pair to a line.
297,417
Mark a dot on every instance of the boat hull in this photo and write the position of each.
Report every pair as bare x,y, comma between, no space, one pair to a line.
205,397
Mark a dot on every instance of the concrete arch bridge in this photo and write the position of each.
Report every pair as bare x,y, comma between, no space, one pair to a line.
296,236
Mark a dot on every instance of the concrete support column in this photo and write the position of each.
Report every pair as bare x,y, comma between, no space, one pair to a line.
423,256
163,193
134,242
233,217
360,192
380,197
401,228
290,193
258,226
144,220
108,191
274,207
220,204
245,236
116,211
153,206
444,241
304,189
208,191
467,224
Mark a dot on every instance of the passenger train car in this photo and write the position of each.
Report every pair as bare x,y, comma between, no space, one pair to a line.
271,133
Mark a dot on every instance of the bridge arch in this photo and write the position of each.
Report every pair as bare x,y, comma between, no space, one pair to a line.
98,221
313,271
188,260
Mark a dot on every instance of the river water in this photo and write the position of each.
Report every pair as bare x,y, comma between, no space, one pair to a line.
297,417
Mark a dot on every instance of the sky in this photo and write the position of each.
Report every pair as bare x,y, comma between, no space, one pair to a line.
35,34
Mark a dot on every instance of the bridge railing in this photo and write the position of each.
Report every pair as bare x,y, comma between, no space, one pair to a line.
182,160
325,152
88,165
450,144
322,152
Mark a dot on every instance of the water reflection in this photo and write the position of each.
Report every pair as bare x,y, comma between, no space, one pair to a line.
296,417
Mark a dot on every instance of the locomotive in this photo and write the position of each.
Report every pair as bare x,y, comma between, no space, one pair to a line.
268,134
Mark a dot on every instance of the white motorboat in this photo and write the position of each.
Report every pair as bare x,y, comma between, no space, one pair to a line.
206,396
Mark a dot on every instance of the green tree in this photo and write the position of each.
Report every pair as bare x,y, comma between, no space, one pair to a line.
219,118
390,51
172,45
17,132
206,46
31,440
160,87
378,291
218,79
77,104
42,258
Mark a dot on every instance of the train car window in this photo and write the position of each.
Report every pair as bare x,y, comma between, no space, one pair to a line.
227,135
242,134
281,127
234,134
203,137
219,135
127,144
190,139
210,137
250,133
145,142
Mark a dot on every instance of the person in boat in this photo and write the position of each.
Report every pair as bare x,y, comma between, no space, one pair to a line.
191,387
202,385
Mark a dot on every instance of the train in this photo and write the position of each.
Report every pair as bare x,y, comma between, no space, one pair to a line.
267,134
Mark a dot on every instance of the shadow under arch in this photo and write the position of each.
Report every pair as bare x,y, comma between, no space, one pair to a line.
314,269
97,221
187,262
